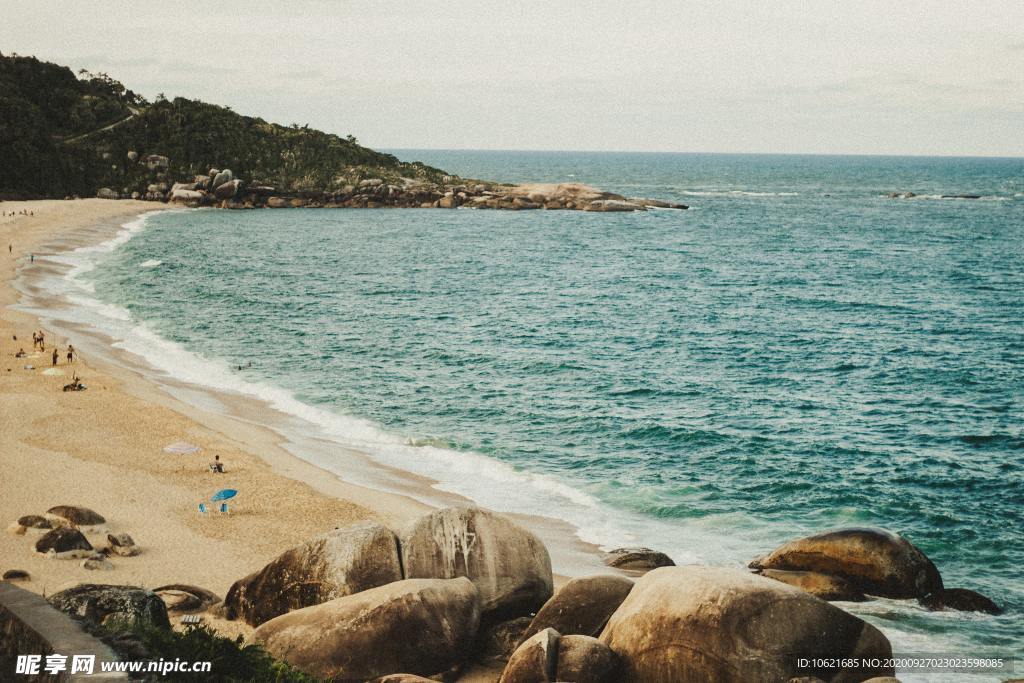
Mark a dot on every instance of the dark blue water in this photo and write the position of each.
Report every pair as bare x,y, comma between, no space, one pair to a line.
794,353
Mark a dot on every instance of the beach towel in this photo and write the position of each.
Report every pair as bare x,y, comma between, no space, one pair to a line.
181,447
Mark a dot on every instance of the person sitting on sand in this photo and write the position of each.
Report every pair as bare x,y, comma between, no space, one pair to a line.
20,354
55,355
217,466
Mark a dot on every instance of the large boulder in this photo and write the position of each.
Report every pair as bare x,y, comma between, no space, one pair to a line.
874,561
64,539
582,606
499,640
122,606
332,565
509,565
549,656
824,586
107,193
417,626
186,196
75,514
637,560
716,624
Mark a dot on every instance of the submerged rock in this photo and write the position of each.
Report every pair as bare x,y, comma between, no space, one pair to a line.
874,561
419,626
332,565
714,624
508,564
961,599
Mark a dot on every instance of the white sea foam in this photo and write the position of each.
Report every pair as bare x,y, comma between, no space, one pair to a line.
735,193
151,263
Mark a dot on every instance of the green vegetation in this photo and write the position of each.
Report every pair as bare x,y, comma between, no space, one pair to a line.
62,134
231,661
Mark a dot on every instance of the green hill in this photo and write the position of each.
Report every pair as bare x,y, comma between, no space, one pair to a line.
62,134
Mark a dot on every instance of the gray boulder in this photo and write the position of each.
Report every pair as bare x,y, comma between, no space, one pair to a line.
332,565
107,193
123,545
228,190
710,623
874,561
582,606
509,565
112,605
417,626
225,176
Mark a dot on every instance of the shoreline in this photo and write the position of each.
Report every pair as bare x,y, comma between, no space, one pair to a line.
296,498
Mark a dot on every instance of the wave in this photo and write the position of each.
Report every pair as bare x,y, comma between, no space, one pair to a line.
735,193
151,263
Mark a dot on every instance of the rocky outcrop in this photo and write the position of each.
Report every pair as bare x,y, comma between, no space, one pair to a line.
716,624
64,541
332,565
182,597
874,561
110,606
227,190
582,606
75,514
418,626
548,656
822,586
613,205
637,559
961,599
508,564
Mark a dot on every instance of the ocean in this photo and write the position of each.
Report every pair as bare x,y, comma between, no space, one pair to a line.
796,352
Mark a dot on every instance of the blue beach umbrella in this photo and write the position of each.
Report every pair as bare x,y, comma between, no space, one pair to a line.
224,494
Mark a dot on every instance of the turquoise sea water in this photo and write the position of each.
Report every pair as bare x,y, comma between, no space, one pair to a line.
794,353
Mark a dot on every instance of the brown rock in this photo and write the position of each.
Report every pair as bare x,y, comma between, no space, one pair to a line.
715,624
819,585
16,575
35,522
332,565
182,597
582,606
582,658
77,515
874,561
535,661
509,565
277,203
419,626
63,540
637,559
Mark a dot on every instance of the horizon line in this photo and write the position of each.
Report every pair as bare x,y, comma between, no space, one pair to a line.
1008,157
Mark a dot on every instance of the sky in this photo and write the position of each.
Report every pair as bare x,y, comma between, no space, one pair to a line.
863,77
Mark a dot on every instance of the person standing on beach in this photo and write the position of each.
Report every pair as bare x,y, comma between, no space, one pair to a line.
55,355
71,353
42,341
